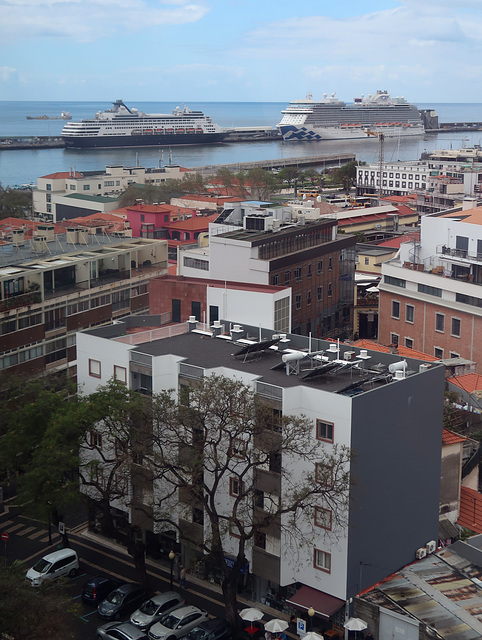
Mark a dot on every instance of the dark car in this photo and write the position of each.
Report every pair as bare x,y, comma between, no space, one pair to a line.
214,629
98,588
120,631
122,601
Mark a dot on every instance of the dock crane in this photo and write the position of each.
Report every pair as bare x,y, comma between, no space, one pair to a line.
381,140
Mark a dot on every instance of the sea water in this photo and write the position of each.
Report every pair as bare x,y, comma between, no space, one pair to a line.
25,166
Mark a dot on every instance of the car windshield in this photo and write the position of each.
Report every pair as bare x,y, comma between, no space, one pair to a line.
115,597
170,621
149,608
198,633
42,566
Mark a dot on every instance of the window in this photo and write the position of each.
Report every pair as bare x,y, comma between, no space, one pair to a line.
438,352
197,516
431,291
324,431
330,267
322,560
96,439
120,374
324,475
409,313
287,276
367,260
439,322
297,274
276,279
308,299
395,310
308,270
409,343
260,540
323,518
396,282
236,486
86,187
320,293
454,355
330,290
275,462
394,338
320,266
298,301
237,448
94,368
455,330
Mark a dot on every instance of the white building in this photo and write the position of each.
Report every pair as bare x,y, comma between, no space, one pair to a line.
398,178
390,416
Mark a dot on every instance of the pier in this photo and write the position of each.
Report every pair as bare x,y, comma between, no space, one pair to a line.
326,160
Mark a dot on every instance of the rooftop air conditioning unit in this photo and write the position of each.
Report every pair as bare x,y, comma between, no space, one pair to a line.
349,355
399,375
421,553
431,546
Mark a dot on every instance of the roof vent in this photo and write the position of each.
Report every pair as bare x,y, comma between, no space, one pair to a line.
333,348
424,367
397,366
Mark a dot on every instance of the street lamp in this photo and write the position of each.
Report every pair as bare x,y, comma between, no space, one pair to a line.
311,613
172,555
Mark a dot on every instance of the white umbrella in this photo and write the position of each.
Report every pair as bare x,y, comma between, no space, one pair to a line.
251,615
355,624
276,625
311,635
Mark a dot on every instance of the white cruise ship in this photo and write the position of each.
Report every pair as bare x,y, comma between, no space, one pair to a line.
124,127
333,119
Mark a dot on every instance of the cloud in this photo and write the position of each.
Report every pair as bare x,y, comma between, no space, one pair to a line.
6,73
89,20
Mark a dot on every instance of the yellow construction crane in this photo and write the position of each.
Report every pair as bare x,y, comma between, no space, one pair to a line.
381,139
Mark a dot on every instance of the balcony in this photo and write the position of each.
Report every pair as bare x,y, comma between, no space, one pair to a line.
20,300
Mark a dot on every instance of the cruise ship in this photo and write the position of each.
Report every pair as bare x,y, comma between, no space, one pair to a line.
124,127
333,119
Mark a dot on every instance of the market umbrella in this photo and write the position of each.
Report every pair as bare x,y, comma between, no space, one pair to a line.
276,625
355,624
311,635
251,615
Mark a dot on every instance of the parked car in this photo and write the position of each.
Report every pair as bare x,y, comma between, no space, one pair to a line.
177,623
213,629
98,588
153,609
54,565
120,631
122,601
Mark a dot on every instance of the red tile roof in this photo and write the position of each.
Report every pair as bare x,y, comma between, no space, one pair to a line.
469,382
192,224
449,437
394,243
470,515
404,352
29,226
410,197
63,175
212,199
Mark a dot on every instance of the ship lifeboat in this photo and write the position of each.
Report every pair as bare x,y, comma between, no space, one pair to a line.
406,125
170,130
344,125
199,130
147,132
179,130
351,125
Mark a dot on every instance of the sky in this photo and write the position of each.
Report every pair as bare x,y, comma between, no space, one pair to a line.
428,51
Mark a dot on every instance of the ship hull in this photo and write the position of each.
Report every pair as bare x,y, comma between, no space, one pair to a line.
293,133
161,140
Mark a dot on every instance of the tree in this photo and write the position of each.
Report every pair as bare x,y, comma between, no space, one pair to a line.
43,613
262,183
288,174
16,203
346,175
208,451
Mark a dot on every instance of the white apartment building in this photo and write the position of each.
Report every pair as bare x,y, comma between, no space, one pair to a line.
387,411
398,178
110,183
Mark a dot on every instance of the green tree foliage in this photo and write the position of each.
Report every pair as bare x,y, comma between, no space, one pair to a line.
346,175
33,614
14,203
290,174
220,433
192,182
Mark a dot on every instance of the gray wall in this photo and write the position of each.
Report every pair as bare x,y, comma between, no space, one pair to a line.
397,439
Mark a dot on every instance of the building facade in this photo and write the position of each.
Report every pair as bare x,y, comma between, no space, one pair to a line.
384,409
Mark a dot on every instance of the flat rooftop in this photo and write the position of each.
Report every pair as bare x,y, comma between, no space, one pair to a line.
329,366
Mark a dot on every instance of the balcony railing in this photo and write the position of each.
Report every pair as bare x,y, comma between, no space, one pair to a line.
461,254
20,300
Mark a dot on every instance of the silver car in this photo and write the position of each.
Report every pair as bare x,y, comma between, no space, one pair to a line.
120,631
153,609
177,623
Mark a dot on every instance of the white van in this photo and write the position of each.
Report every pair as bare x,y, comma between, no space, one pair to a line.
59,563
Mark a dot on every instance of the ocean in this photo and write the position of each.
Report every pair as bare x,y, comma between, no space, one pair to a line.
25,166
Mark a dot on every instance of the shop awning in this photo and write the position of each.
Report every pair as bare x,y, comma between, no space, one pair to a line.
323,604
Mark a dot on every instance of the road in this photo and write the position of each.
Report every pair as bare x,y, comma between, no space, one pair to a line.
28,540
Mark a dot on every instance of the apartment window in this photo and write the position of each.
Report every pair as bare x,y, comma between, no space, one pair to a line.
431,291
275,462
409,313
323,518
322,560
330,266
320,293
260,540
324,431
439,322
438,352
86,187
287,276
320,266
143,217
198,516
454,355
455,329
367,260
394,339
276,279
120,374
395,310
330,290
237,448
96,439
324,475
235,487
308,271
297,274
308,299
94,368
409,343
298,301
